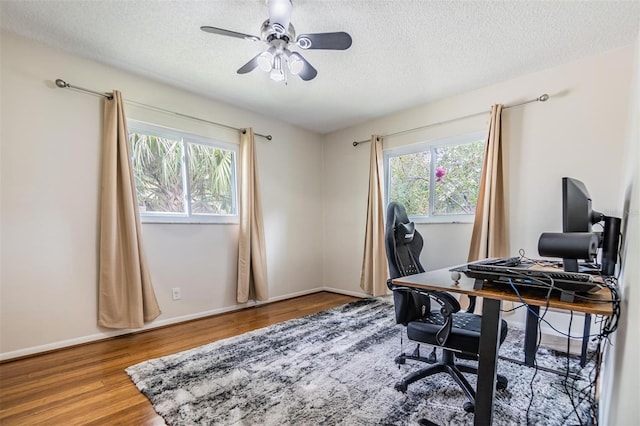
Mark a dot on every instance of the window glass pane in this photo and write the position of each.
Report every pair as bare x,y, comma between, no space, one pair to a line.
409,181
457,178
210,179
157,167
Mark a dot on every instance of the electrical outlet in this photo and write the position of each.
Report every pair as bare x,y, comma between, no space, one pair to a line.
175,293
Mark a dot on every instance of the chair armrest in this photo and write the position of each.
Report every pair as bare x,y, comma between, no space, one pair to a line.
472,304
390,285
449,306
447,301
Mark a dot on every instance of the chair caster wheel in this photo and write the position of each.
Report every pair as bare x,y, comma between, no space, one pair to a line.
401,387
501,383
469,407
400,359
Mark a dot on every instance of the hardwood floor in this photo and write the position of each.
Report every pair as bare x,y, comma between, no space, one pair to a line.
87,384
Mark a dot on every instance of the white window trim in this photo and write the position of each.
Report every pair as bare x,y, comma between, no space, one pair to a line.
424,146
182,218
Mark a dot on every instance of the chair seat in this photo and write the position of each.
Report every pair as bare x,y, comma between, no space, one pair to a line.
465,334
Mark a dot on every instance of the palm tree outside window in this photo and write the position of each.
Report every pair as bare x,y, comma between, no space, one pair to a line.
181,177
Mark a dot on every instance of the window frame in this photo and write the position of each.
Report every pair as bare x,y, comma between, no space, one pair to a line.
430,146
189,217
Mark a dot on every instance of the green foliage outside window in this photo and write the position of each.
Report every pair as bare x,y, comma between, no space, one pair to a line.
451,172
159,176
457,191
409,177
210,178
157,168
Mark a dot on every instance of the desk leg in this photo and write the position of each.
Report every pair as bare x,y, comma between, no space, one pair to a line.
586,331
487,361
531,335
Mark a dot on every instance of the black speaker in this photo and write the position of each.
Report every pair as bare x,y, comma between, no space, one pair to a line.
570,246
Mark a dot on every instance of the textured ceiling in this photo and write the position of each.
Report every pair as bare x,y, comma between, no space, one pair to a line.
404,53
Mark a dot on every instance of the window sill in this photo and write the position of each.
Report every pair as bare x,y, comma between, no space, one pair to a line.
443,220
219,220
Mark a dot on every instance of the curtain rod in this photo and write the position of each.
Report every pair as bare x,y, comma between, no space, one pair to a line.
64,85
542,98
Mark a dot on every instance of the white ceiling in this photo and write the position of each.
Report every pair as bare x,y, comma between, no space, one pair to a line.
404,53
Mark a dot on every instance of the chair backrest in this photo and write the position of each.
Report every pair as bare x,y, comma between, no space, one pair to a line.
403,245
403,242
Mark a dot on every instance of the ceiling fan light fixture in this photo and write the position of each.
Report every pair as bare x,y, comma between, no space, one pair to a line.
277,73
294,63
265,61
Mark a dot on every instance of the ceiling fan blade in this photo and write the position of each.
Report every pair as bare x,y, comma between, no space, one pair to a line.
229,33
249,66
308,72
331,41
280,14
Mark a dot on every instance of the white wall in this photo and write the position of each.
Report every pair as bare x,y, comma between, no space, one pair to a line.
579,132
621,373
50,179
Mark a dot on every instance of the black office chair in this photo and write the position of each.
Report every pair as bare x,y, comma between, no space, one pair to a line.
454,331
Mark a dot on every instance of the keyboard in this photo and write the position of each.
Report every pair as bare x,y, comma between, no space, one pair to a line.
513,270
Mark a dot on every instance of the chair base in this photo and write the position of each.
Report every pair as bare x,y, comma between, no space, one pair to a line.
448,365
415,356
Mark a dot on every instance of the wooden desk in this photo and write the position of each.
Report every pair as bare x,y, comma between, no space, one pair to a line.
440,280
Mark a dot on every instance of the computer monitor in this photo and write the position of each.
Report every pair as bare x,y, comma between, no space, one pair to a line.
578,216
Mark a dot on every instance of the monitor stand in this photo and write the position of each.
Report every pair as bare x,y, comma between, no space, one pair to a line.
572,265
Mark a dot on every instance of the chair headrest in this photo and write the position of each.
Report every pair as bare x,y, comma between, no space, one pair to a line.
405,233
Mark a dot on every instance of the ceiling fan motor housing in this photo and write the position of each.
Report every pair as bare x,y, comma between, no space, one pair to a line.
272,32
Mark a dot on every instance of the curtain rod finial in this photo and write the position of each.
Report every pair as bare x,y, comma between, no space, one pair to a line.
61,83
355,143
269,137
543,98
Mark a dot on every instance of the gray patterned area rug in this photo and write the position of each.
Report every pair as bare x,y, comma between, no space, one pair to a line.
336,368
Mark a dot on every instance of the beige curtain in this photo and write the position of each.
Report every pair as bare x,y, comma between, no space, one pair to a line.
489,237
126,298
373,278
252,259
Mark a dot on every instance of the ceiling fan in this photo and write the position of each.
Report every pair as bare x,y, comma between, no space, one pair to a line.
279,35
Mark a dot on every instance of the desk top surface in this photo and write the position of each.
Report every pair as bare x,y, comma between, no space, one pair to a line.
598,303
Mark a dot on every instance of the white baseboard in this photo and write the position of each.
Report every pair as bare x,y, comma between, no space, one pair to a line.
345,292
176,320
114,333
160,323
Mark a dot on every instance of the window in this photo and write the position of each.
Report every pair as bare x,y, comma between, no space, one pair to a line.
436,181
182,177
